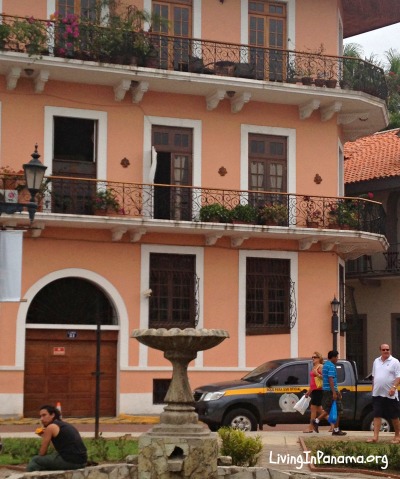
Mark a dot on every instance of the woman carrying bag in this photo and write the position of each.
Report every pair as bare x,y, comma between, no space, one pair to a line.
315,390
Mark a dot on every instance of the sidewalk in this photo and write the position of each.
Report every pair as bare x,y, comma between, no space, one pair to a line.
282,449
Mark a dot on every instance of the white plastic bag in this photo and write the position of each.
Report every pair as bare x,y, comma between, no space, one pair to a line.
302,404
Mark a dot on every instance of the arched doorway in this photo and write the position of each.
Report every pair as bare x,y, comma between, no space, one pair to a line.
61,345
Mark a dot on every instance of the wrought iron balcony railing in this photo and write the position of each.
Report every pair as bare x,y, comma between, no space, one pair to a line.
81,196
379,264
87,41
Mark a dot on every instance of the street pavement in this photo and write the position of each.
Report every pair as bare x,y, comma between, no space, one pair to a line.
281,444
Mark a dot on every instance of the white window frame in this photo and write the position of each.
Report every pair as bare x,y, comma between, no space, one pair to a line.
294,272
196,126
100,116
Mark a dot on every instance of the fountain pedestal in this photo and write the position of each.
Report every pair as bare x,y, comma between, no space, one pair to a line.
179,447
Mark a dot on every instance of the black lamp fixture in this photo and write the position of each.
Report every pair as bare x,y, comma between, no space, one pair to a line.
34,173
335,304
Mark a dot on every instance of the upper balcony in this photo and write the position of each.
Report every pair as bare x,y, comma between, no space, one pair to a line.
138,62
350,226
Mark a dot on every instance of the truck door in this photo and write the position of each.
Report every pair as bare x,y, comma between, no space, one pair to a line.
284,388
346,385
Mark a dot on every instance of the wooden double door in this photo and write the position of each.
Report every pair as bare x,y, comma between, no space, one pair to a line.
60,365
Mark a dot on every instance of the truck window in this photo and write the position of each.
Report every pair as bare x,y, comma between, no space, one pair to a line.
340,373
290,375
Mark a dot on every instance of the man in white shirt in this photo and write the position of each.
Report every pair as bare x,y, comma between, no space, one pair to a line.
385,399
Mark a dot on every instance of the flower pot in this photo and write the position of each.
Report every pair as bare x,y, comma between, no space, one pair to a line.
331,83
319,82
105,212
306,80
312,224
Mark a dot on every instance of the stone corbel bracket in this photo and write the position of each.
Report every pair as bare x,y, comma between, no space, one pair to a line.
136,235
138,91
306,109
328,111
41,80
12,77
212,239
238,101
213,99
118,233
237,241
306,243
36,231
328,245
121,88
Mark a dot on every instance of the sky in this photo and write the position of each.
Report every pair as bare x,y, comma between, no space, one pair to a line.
378,41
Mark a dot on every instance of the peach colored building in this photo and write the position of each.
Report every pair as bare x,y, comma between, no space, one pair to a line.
237,110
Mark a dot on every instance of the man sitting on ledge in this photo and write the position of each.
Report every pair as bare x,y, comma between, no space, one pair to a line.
70,452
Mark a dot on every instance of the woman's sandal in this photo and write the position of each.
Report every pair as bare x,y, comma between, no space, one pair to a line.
371,441
395,441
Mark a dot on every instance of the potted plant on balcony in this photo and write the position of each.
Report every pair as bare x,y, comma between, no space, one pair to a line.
243,213
343,215
5,31
274,213
31,35
215,213
106,203
314,215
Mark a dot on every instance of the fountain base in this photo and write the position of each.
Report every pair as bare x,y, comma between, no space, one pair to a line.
175,455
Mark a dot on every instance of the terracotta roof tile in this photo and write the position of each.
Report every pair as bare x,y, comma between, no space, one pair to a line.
372,157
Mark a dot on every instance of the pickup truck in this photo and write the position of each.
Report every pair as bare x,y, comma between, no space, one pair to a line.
267,395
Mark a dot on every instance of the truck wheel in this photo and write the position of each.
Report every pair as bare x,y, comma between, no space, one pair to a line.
241,419
368,423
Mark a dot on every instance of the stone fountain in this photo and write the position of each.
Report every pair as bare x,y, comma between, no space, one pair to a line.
179,447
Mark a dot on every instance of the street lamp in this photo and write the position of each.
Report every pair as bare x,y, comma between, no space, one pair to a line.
335,321
34,173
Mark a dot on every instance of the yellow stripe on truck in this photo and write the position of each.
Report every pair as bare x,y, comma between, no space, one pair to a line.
236,392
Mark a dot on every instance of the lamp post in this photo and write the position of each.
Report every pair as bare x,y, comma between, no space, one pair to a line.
335,321
34,172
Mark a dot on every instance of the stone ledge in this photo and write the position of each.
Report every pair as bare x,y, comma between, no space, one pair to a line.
130,471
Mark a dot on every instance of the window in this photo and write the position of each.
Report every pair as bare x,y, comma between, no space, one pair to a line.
74,139
71,301
74,155
174,167
268,296
267,28
178,23
160,389
292,375
174,285
83,8
267,163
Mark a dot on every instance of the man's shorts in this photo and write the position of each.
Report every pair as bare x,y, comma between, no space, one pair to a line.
316,397
327,399
385,407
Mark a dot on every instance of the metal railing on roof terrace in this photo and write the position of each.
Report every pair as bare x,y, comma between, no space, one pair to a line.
81,196
89,41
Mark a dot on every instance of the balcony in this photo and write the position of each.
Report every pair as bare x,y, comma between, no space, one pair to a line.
352,226
377,266
140,62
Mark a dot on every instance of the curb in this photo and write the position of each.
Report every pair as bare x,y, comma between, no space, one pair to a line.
348,470
121,419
